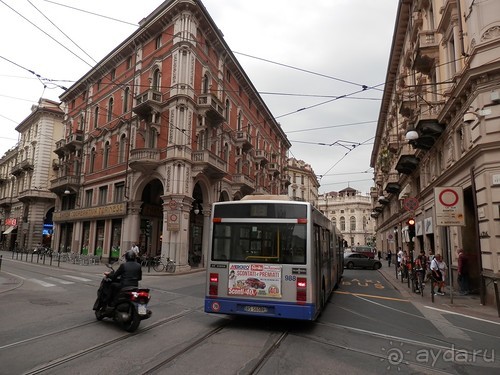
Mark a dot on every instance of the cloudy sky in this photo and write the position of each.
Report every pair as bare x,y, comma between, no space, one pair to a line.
319,65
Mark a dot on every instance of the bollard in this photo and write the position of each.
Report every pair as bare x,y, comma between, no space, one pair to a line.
37,257
59,260
0,262
31,257
43,256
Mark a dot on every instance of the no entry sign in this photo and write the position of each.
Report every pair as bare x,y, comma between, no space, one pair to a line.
449,203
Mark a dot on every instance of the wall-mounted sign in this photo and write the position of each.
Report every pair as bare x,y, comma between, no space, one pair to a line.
111,210
449,203
173,220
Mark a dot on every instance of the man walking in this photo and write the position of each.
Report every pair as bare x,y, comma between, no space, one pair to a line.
463,273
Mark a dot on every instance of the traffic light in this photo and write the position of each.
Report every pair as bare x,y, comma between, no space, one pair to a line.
147,229
411,228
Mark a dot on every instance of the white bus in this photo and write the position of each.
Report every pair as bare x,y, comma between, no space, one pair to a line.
271,256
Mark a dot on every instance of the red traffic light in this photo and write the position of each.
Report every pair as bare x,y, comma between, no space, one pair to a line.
411,221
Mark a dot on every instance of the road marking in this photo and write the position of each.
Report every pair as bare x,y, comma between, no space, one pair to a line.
372,296
444,326
77,278
460,314
60,281
42,283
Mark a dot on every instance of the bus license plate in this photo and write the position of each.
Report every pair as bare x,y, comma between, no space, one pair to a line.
142,309
255,309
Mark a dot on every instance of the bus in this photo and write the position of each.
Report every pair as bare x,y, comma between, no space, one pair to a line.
271,256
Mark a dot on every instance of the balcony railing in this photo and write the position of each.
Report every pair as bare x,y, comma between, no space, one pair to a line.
243,139
144,159
243,183
211,165
63,183
214,111
147,102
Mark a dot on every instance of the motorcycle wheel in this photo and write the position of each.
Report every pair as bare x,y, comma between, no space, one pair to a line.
133,323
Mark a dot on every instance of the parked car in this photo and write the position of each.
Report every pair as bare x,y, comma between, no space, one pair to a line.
369,251
358,260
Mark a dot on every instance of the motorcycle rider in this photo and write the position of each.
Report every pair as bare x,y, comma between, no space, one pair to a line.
127,275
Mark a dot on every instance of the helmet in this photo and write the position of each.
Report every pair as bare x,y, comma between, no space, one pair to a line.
129,255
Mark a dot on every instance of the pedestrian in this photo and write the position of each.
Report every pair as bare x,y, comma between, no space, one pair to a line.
399,257
379,255
135,249
428,272
438,268
389,257
463,273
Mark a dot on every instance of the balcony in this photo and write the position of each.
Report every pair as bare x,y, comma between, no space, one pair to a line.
426,52
21,167
243,183
74,141
60,147
407,97
3,180
61,184
208,163
407,164
273,168
147,103
212,108
261,156
243,140
35,194
393,187
6,202
144,160
428,132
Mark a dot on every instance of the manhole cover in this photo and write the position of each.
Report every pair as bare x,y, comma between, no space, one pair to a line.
47,302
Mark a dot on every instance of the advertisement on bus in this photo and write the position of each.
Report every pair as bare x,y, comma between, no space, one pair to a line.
254,280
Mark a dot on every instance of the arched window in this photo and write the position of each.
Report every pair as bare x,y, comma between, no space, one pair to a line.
92,160
205,84
353,223
122,149
342,223
126,94
156,80
110,109
96,117
105,159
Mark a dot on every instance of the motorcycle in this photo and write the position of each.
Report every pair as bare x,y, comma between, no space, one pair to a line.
128,308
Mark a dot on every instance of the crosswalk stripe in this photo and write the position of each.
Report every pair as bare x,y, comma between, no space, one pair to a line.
60,281
77,278
42,283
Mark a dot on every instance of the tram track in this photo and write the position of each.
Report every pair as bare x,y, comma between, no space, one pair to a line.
81,353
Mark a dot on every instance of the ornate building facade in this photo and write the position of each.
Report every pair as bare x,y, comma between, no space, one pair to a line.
302,181
350,212
165,125
25,199
439,126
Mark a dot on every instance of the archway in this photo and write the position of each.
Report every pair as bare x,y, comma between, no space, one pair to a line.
151,219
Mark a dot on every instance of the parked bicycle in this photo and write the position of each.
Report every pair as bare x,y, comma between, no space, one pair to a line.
162,264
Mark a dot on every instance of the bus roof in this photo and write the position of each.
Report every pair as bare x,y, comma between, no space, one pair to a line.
263,197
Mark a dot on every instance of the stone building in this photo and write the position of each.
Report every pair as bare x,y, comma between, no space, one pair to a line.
26,171
438,135
350,212
165,125
302,181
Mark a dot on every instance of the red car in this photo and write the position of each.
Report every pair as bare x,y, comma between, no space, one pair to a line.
252,282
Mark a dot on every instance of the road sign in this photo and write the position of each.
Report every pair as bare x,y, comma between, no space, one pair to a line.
449,203
410,203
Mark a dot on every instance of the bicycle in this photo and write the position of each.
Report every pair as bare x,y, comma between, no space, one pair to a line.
418,277
160,264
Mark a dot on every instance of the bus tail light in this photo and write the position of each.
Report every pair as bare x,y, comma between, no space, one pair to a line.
301,289
213,286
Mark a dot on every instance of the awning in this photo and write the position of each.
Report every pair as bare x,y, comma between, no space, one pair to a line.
8,230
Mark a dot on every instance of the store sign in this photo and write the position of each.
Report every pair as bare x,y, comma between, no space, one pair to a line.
112,210
11,222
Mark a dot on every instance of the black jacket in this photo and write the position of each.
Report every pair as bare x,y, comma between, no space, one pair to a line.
129,273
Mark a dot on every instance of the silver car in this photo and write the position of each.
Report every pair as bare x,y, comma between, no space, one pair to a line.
357,260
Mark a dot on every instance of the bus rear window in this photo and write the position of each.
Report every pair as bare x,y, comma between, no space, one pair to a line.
263,210
263,243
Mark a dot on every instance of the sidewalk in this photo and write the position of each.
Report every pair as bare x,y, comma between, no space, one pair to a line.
8,282
466,305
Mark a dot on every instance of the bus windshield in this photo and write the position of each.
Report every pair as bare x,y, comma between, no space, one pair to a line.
262,243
